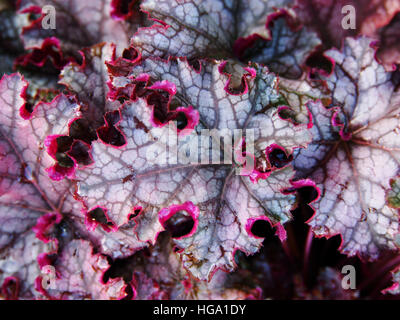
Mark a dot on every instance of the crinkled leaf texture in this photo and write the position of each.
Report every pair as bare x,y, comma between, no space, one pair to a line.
198,29
287,47
355,153
89,82
222,203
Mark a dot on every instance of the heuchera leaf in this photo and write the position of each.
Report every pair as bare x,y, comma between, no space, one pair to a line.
222,204
198,29
20,268
80,275
31,187
286,49
89,82
157,273
265,31
79,24
349,142
296,93
104,235
26,191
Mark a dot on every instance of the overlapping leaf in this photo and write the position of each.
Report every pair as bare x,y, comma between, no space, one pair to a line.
89,81
262,31
81,223
197,29
157,273
19,266
79,24
80,275
350,144
287,47
27,192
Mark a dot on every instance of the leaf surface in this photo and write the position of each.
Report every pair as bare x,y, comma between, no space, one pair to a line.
221,203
